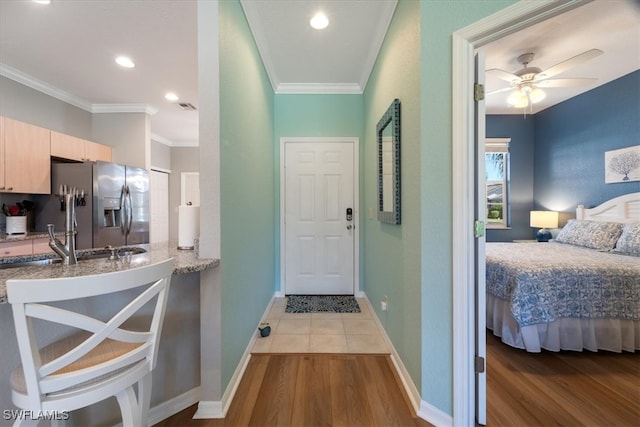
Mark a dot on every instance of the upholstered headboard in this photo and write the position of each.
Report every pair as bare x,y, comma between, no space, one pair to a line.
625,209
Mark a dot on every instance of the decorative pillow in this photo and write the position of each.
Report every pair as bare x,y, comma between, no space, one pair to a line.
629,241
590,234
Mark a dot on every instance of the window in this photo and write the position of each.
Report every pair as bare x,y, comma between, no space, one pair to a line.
497,181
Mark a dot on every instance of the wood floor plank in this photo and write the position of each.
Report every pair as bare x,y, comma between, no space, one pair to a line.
274,404
388,406
312,401
348,394
561,388
240,411
313,390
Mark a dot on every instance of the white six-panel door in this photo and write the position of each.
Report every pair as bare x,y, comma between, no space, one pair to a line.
318,237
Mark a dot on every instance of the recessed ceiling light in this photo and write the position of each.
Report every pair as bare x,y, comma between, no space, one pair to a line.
42,1
319,21
170,96
125,62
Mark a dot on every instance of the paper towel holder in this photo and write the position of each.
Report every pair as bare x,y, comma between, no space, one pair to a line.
187,244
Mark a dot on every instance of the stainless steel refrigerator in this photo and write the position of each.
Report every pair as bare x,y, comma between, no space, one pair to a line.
115,207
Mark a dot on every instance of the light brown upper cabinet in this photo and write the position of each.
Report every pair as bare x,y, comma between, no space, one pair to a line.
72,148
25,158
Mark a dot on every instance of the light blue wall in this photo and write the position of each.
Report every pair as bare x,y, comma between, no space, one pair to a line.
247,200
438,21
312,115
571,139
520,130
392,252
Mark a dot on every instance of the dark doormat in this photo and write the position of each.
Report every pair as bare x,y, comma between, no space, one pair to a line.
322,304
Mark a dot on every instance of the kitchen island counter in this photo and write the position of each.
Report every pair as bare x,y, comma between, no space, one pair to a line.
185,262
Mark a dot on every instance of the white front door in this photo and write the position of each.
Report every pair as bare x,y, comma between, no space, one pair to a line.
319,236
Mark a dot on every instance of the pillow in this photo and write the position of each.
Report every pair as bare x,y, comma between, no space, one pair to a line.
601,236
629,241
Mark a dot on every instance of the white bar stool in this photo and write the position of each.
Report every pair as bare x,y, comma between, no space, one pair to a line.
104,359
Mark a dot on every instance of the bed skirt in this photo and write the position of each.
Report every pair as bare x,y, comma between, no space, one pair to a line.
563,334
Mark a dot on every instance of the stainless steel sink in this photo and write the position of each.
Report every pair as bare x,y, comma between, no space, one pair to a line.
82,255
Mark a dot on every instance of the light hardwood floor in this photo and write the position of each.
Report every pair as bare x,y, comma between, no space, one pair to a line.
314,390
561,389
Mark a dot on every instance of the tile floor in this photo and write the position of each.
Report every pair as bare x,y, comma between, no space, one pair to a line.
321,332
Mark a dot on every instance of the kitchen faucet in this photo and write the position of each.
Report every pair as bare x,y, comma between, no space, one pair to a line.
67,252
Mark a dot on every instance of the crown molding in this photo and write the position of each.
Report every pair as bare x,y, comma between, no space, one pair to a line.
377,40
172,143
44,87
124,108
319,88
258,33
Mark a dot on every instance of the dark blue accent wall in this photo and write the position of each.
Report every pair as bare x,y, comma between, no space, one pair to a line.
557,155
571,139
520,130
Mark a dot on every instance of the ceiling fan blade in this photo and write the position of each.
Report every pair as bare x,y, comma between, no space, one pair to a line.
504,75
566,82
504,89
569,63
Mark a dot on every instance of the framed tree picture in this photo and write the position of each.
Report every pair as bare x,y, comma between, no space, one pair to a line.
622,165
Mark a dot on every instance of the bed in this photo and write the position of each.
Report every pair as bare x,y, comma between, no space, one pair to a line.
580,291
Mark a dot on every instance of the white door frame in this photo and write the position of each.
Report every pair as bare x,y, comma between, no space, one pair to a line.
356,205
511,19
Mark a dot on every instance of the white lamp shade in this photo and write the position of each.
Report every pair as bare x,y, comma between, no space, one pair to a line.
543,219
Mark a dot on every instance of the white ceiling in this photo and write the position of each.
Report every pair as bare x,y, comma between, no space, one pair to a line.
67,50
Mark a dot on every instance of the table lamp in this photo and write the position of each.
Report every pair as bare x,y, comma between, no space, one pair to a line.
543,220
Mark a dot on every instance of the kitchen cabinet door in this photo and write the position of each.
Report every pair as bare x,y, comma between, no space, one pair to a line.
94,151
67,147
22,247
27,152
41,246
71,148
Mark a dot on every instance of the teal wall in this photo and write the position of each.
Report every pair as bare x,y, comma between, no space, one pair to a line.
246,185
438,21
392,252
410,263
312,115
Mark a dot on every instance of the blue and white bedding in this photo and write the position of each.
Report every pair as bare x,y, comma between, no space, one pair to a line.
546,282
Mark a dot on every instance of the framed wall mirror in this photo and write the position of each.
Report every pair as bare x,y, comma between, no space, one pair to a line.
388,135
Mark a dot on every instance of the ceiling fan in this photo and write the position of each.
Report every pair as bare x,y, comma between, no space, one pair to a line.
525,83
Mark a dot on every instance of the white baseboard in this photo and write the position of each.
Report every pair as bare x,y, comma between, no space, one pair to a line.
409,387
173,406
422,409
434,415
209,409
219,409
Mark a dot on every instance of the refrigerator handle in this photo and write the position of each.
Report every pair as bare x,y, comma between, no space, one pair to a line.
123,210
129,211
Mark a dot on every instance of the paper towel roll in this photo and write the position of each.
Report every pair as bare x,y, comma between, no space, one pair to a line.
188,225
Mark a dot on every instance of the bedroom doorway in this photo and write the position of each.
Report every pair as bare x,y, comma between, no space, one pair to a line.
468,249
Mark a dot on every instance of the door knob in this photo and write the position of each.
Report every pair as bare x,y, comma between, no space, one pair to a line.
350,226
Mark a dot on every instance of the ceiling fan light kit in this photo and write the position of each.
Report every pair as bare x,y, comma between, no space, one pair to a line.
526,82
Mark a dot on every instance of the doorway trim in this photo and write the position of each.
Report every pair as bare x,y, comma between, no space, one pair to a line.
356,206
506,21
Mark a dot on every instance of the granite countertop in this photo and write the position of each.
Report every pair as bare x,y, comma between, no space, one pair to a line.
185,262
